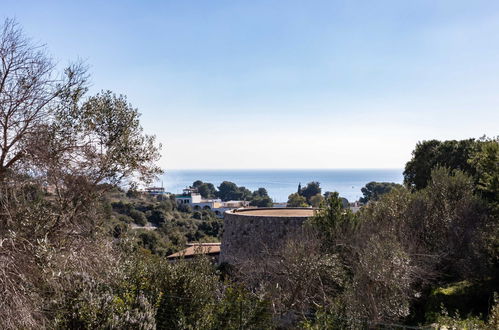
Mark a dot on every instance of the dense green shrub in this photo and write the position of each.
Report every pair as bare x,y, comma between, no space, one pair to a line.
125,218
138,217
157,217
460,298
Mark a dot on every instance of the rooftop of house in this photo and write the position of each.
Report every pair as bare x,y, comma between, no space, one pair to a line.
277,212
197,249
155,188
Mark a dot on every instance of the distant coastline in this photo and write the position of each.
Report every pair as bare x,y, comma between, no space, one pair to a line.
282,182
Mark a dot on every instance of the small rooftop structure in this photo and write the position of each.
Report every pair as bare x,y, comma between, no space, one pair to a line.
195,249
155,190
189,190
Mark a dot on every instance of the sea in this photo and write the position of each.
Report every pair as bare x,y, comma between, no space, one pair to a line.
281,183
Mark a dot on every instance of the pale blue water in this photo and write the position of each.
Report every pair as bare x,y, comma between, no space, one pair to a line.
281,183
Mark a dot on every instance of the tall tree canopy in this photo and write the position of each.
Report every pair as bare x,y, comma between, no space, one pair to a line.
207,190
59,152
313,188
230,191
31,90
296,200
373,190
261,198
486,164
47,126
429,154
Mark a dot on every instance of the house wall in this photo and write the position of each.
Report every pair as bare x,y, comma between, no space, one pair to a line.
196,198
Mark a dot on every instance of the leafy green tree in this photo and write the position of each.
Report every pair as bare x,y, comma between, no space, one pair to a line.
166,205
230,191
486,163
138,217
31,90
152,240
226,190
157,217
74,149
332,220
260,192
212,228
186,208
188,296
207,190
316,200
264,201
344,201
243,193
261,198
313,188
296,200
373,190
429,154
448,219
239,309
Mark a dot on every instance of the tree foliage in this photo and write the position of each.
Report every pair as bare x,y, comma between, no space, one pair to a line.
316,200
207,190
429,154
374,190
30,92
296,200
398,247
312,188
230,191
486,164
58,151
261,198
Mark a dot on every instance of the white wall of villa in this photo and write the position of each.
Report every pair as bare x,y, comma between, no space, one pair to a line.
196,202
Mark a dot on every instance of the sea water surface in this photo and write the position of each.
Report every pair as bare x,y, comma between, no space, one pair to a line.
281,183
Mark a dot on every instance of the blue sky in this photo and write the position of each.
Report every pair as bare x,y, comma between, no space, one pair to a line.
285,84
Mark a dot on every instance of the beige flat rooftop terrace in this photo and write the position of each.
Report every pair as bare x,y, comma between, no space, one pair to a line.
276,212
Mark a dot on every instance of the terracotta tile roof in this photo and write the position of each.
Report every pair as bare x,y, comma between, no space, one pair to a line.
197,249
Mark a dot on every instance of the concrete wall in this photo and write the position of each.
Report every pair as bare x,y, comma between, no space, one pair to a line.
246,236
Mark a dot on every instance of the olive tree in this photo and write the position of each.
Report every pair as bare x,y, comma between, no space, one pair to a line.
30,88
59,151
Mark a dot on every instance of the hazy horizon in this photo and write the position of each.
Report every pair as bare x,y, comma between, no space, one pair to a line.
273,84
280,183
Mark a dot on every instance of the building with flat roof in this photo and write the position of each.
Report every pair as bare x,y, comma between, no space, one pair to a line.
191,197
154,191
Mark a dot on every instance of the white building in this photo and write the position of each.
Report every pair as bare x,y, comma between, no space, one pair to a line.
154,191
194,199
356,206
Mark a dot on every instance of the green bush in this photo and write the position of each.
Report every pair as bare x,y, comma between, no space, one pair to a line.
125,218
138,217
460,298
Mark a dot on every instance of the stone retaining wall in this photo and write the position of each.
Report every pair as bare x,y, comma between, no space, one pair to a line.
247,236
